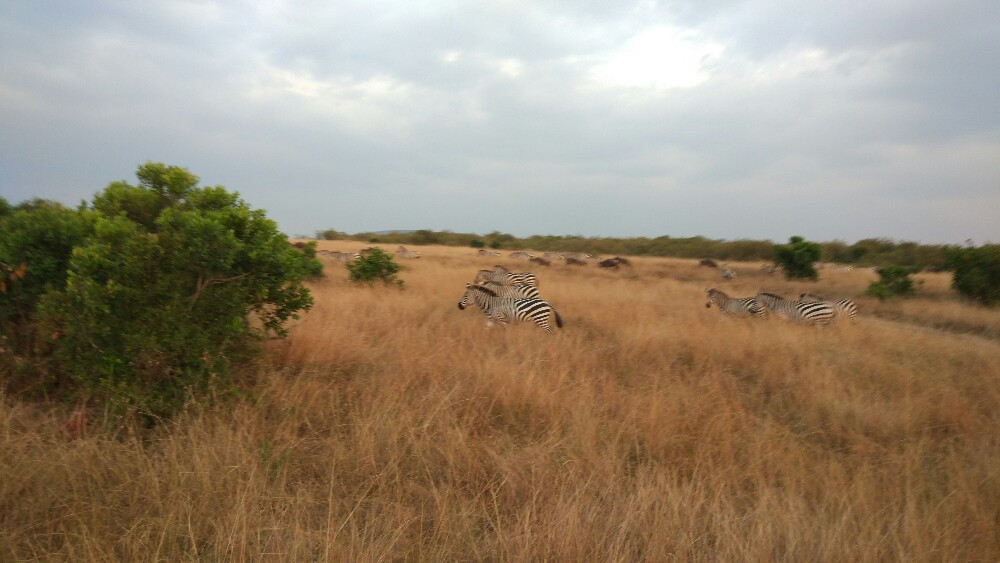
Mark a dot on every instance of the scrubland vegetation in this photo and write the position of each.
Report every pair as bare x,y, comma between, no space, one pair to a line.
866,252
390,425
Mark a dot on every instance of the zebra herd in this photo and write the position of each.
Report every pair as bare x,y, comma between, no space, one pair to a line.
503,295
807,309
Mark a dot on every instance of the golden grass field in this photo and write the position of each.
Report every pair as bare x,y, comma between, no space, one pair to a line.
389,425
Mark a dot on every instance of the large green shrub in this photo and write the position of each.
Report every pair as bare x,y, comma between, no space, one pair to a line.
378,265
39,237
167,286
894,281
797,257
977,273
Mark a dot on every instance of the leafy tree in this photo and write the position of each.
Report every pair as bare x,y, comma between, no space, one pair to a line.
476,243
977,273
894,281
378,265
797,257
330,234
170,285
40,236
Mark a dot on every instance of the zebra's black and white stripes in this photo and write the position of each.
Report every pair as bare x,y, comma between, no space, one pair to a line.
815,313
516,291
734,306
843,307
504,277
503,309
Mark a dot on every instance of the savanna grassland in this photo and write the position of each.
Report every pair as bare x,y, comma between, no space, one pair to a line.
389,425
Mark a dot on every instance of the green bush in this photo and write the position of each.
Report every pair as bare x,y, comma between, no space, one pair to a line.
40,235
378,265
977,273
894,281
476,243
159,288
797,257
331,234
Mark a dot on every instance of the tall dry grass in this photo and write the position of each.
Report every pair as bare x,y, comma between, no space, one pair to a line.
390,425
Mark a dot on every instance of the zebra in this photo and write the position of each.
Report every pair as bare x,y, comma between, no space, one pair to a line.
502,309
728,274
841,307
734,306
801,312
516,291
484,252
522,254
341,256
404,253
504,277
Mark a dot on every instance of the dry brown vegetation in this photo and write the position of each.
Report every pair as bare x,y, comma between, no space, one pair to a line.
390,425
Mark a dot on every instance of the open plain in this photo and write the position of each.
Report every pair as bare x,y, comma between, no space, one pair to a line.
390,425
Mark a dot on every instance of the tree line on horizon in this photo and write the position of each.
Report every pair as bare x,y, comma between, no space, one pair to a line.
866,252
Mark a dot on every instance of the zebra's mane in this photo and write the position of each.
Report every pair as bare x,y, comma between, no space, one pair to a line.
484,289
771,295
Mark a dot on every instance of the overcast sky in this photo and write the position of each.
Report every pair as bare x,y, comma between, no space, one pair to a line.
756,119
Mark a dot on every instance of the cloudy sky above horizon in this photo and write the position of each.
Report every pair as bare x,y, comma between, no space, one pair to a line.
726,119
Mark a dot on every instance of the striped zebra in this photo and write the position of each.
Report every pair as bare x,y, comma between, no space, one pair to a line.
843,307
735,306
503,309
801,312
340,256
522,254
404,253
516,291
504,277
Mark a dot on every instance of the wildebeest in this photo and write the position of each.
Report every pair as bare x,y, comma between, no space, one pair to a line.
614,262
540,261
708,262
570,261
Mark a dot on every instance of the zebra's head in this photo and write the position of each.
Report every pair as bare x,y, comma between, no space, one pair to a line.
711,297
470,290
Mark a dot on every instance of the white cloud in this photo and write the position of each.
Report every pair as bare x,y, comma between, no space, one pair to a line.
659,57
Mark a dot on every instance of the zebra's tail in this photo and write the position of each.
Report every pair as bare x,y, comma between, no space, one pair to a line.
558,318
